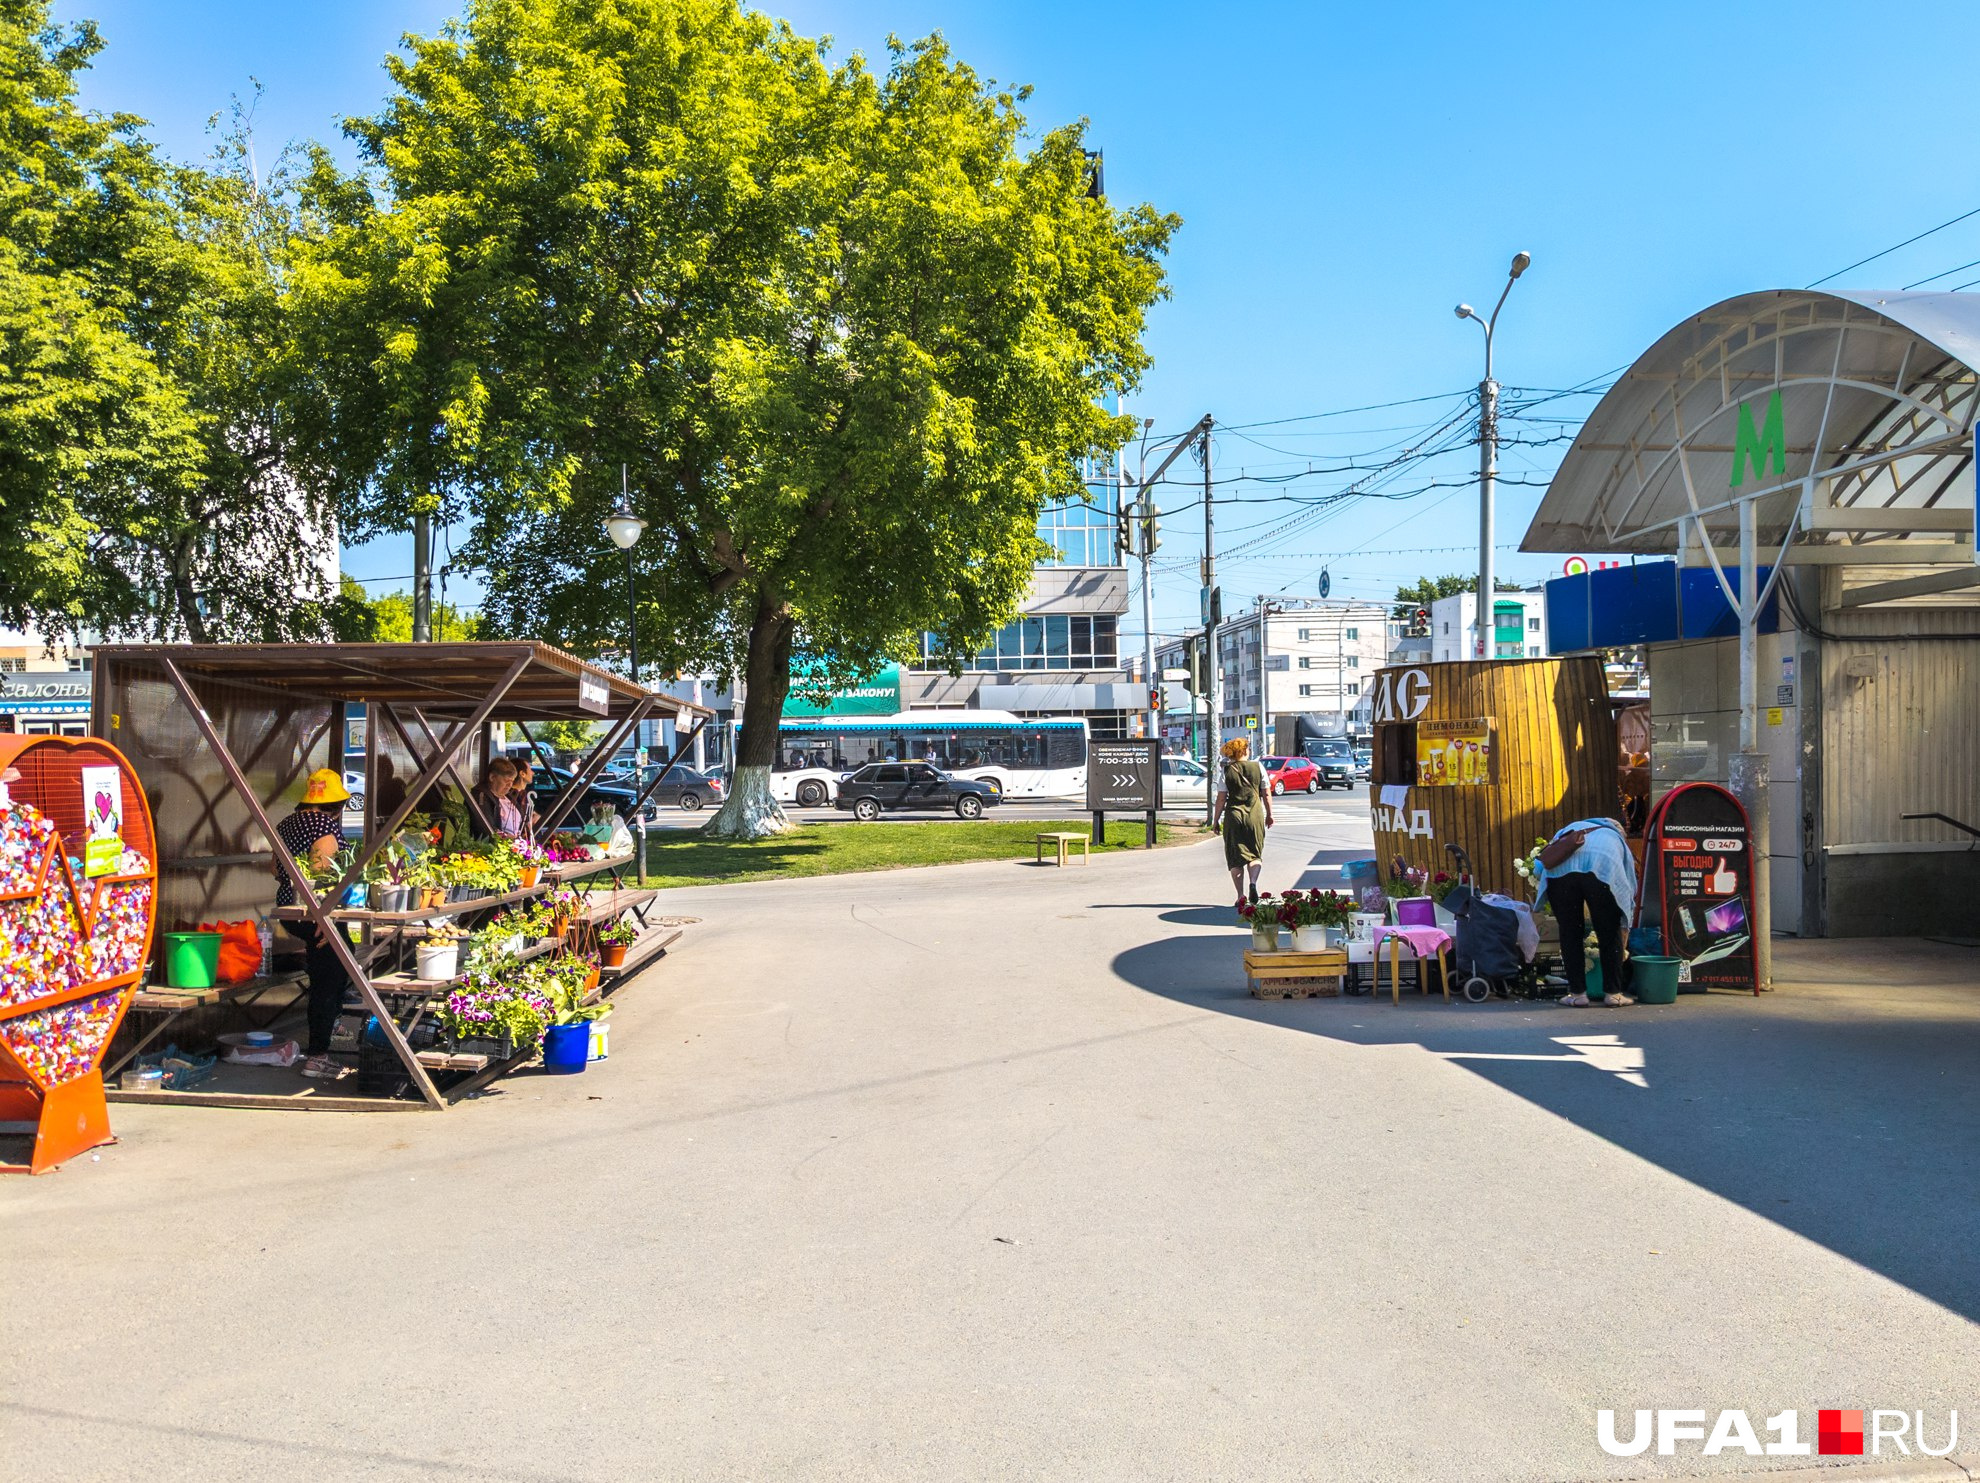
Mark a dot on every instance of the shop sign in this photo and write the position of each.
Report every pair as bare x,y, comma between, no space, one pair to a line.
1456,753
877,695
1123,776
594,694
1698,886
1401,694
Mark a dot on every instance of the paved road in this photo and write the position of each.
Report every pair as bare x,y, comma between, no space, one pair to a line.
1351,805
993,1172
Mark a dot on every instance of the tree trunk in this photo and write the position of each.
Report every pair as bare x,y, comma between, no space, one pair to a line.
751,811
184,598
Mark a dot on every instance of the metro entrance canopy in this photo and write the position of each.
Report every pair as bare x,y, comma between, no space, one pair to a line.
1843,422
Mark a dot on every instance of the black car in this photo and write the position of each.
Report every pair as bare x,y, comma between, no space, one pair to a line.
551,782
682,786
1335,761
883,785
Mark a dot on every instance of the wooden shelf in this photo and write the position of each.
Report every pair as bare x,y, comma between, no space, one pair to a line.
443,1060
164,997
650,945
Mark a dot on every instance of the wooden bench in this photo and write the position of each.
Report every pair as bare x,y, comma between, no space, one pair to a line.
1267,974
173,1004
1064,840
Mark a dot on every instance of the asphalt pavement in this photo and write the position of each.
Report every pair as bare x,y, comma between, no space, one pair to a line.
994,1171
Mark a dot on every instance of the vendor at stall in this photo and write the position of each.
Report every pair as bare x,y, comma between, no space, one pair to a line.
1587,867
314,833
494,797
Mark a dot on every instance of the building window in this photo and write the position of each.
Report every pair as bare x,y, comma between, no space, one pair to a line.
13,666
1306,661
1353,633
1053,641
1447,628
1532,625
1308,689
1306,635
1532,651
1107,725
1355,688
1081,532
1354,661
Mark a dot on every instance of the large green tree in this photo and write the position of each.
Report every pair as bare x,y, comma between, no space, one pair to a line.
848,332
151,418
1426,590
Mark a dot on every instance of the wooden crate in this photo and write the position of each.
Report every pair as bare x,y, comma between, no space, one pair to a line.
1290,975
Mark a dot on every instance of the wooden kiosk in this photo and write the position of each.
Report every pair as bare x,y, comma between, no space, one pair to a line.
222,734
77,895
1489,755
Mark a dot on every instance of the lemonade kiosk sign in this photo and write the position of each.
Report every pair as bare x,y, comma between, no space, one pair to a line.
1456,753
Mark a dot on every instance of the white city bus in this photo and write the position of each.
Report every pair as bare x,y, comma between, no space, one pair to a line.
1022,759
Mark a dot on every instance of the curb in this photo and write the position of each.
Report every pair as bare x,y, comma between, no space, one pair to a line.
1964,1468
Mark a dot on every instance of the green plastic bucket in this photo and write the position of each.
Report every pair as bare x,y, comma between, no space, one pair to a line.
192,959
1654,978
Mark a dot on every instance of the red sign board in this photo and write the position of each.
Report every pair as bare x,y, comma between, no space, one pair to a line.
1698,887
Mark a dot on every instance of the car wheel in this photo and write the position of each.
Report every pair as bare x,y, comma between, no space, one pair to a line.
811,794
866,810
969,806
1277,789
690,801
1313,785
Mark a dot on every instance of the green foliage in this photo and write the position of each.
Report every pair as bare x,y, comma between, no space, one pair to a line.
558,737
153,426
388,618
849,331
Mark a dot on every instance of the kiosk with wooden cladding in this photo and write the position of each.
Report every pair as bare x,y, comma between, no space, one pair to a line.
1488,755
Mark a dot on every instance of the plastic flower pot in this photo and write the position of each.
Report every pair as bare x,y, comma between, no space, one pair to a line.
613,954
566,1048
1310,939
438,960
529,876
1654,978
1265,937
192,959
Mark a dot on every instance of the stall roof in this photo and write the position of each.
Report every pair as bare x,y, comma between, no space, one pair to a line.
1873,447
441,679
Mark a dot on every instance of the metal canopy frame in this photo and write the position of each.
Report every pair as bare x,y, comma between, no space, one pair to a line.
1871,464
353,672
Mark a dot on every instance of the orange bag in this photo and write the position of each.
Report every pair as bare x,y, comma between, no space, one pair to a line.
240,950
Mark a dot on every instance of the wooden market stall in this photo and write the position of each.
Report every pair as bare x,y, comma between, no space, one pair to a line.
222,737
1489,755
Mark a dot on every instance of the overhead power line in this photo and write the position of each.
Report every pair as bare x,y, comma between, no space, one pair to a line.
1955,221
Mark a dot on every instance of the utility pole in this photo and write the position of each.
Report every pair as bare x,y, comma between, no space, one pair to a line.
422,579
1488,459
1145,511
1264,710
1213,612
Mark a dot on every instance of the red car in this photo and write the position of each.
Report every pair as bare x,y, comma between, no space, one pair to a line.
1295,774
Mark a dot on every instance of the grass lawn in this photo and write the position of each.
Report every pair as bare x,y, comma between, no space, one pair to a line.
686,858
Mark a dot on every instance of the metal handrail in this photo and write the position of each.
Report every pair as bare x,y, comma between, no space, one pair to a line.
1945,819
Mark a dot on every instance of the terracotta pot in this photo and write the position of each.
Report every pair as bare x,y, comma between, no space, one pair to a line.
529,875
560,926
430,896
591,979
613,954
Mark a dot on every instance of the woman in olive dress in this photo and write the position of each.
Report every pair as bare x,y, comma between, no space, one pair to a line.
1245,808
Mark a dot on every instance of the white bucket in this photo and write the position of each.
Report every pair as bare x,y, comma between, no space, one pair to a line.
439,960
601,1041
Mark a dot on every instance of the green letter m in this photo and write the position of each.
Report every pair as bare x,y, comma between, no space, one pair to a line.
1748,444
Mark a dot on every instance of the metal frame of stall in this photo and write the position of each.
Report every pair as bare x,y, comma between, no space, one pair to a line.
464,687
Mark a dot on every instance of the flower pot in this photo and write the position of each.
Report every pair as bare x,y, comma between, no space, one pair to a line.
530,875
591,979
601,1040
566,1048
438,960
1312,938
432,896
613,954
560,926
1265,937
389,898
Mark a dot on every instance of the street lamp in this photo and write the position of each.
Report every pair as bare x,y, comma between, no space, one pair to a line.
625,528
1488,449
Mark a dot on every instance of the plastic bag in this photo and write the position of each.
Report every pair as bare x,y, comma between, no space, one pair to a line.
240,950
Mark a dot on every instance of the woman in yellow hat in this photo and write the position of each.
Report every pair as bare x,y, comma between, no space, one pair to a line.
315,832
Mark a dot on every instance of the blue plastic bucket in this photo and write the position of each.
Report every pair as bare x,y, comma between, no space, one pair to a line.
566,1048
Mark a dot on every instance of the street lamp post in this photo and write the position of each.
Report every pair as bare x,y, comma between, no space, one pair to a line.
1488,452
625,528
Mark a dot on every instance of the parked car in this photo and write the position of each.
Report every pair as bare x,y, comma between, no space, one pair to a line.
912,785
1364,762
1183,778
682,786
1335,759
1291,775
551,781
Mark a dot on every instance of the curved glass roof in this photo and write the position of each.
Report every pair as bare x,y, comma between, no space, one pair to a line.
1833,412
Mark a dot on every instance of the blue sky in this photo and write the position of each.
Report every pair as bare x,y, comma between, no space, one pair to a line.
1346,175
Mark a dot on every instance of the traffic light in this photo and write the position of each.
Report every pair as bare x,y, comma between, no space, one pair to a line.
1123,534
1155,698
1422,625
1150,536
1199,671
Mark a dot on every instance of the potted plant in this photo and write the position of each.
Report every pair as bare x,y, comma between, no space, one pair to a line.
1316,918
563,904
438,958
567,1042
497,1016
1262,917
529,859
614,942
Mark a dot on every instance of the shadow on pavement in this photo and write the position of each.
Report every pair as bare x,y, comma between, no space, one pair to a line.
1841,1106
